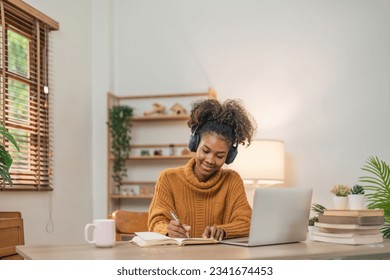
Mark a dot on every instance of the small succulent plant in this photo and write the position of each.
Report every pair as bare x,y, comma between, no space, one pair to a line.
318,209
357,189
341,190
313,220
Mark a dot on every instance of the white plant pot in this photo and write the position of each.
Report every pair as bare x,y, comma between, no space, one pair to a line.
340,202
356,201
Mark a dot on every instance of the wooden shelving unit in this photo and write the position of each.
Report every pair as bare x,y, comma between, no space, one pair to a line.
141,189
160,118
159,157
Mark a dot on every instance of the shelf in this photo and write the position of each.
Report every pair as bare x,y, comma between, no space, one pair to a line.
161,118
211,94
136,146
142,153
158,157
124,183
118,196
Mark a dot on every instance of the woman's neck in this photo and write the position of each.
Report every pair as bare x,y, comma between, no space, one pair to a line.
201,178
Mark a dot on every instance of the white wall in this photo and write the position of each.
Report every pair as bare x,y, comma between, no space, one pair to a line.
102,82
313,73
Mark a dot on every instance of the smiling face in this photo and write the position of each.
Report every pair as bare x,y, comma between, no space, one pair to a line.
210,156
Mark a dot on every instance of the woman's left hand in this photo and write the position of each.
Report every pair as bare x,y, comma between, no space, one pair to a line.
213,232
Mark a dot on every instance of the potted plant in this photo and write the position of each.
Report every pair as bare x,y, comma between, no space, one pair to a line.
5,157
317,209
340,196
120,123
356,198
377,185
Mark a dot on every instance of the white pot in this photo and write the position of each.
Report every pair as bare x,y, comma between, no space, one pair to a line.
310,231
356,201
340,202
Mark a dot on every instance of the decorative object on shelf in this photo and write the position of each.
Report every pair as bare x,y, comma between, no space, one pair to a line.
356,198
129,190
157,152
158,109
120,123
123,190
145,153
377,183
340,196
171,149
147,191
178,110
133,190
5,157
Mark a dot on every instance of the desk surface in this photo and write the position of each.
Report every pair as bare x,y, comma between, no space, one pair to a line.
127,251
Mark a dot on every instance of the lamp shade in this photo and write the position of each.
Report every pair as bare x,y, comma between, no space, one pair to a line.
262,161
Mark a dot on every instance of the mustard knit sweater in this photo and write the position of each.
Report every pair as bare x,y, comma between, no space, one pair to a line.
221,201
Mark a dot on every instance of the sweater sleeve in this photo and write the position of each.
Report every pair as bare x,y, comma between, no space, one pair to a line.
238,211
160,206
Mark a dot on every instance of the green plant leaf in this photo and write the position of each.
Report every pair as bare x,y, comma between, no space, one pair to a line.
318,208
120,123
5,157
386,231
378,188
9,136
313,220
4,173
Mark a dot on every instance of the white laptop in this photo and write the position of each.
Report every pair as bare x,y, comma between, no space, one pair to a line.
279,215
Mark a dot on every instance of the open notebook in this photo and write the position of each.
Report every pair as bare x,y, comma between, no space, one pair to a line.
279,215
146,239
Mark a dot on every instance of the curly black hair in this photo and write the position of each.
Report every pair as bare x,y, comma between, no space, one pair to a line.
229,119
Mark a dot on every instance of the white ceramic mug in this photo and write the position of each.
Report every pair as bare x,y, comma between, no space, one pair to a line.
103,232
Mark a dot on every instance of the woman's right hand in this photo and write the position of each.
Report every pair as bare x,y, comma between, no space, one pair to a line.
177,230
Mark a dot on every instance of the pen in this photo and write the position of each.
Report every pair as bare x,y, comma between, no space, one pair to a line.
176,218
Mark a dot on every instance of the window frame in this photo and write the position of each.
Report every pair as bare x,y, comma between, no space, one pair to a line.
27,119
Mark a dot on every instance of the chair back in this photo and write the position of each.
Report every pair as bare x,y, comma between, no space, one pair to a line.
11,235
128,222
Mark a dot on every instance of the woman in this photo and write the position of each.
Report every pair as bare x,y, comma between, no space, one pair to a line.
209,201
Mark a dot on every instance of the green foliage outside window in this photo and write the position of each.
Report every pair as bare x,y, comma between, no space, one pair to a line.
18,49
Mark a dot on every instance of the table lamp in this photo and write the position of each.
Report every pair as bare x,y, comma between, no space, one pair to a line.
260,165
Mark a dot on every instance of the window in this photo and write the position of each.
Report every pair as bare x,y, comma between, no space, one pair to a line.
24,95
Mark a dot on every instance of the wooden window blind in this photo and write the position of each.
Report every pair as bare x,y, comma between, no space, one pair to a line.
24,94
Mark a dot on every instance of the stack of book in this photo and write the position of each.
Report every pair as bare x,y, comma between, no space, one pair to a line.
349,226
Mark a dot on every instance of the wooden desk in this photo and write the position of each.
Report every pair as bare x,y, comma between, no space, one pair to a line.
127,251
